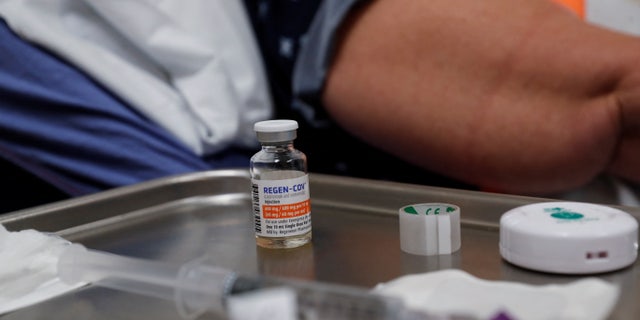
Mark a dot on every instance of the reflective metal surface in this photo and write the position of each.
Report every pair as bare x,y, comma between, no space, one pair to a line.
355,238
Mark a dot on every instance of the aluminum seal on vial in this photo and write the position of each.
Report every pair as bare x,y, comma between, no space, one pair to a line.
430,228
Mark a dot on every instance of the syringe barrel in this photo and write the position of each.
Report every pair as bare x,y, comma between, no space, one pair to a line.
198,286
317,300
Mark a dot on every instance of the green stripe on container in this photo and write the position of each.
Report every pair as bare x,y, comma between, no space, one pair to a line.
411,210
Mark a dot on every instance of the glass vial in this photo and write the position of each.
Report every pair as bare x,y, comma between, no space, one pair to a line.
280,187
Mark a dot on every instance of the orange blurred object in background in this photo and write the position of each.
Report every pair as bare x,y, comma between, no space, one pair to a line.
576,6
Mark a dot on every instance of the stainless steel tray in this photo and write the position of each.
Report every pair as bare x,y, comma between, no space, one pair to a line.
355,237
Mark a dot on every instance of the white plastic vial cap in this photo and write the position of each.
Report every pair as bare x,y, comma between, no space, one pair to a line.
276,130
568,237
430,228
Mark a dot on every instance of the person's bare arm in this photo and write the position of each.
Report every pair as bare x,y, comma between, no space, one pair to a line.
511,95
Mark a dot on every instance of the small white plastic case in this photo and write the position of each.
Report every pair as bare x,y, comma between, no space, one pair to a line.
430,228
569,237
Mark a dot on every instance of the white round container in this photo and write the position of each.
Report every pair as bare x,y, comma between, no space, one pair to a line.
569,237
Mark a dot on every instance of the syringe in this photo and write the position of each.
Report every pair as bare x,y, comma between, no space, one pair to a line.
198,287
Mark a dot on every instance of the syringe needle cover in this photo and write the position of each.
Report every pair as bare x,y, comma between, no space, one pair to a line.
196,287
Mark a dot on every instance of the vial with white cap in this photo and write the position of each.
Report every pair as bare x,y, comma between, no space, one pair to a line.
280,187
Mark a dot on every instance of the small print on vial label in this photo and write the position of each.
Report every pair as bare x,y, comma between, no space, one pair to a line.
281,207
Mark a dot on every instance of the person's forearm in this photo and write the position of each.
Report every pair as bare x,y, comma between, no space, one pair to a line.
512,95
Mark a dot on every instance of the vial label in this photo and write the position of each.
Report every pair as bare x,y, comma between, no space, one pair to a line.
281,207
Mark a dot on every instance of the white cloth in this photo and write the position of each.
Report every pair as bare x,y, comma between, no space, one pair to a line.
617,15
192,66
456,292
29,273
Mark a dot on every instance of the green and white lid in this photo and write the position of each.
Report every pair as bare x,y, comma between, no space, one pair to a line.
568,237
